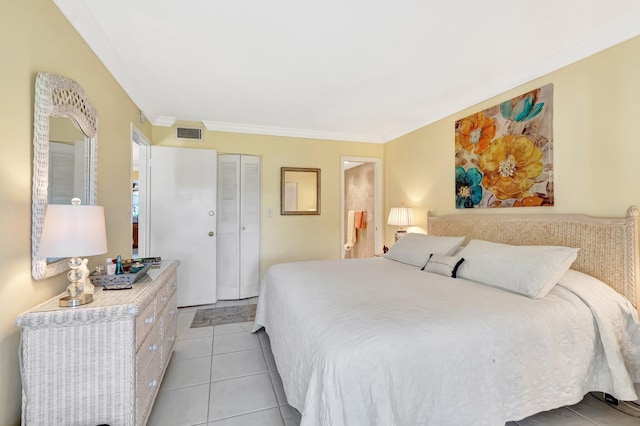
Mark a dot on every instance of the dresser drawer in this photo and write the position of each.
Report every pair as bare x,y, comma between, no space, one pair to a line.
173,282
170,314
147,384
169,329
150,348
145,321
169,342
164,292
162,298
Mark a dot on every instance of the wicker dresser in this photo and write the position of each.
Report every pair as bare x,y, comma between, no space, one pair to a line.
101,363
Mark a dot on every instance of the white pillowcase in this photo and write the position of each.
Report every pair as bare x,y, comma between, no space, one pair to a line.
443,265
415,249
528,270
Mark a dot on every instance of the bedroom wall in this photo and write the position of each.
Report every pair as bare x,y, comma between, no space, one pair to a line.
596,144
35,37
286,238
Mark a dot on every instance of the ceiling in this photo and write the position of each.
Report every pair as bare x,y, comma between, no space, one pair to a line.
355,70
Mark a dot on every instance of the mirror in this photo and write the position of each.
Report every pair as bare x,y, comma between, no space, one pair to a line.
68,162
300,191
65,128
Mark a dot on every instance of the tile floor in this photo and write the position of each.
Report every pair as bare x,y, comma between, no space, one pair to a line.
226,376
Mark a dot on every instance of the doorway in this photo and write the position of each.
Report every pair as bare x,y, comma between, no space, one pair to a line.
361,197
139,193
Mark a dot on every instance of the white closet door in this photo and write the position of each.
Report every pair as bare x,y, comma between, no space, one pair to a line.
250,226
183,218
228,226
61,168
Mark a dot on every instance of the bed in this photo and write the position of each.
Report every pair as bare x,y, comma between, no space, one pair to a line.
383,342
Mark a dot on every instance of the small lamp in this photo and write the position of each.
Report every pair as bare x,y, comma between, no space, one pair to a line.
72,231
401,216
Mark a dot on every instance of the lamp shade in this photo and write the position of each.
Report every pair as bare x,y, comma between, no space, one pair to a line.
401,216
73,231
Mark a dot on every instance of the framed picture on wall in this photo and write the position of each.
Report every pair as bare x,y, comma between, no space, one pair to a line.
504,155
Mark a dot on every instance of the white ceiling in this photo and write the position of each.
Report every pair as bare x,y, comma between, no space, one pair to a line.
361,70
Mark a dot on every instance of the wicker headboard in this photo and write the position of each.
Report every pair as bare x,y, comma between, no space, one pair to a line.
608,246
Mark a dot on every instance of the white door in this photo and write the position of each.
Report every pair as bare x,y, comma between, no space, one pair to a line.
239,187
250,226
182,218
229,227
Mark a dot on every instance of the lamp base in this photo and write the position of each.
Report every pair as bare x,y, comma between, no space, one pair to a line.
400,233
69,302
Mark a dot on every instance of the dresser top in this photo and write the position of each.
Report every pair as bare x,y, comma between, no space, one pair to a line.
106,305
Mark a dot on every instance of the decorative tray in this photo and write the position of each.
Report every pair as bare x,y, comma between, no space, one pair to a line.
126,278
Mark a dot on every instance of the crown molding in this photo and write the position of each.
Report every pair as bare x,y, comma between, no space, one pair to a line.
290,132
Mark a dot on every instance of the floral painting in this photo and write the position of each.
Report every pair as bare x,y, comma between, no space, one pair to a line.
504,155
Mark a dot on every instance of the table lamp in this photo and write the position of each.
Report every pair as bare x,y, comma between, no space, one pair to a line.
71,231
401,216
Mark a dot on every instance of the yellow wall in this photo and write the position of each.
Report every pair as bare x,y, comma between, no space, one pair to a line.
596,144
35,37
306,189
287,238
62,130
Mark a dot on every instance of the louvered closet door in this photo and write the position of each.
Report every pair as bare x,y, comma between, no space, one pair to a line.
239,187
228,227
67,172
249,226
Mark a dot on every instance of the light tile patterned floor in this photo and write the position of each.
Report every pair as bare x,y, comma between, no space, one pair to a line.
226,376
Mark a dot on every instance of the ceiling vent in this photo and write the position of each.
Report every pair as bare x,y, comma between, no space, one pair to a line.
189,133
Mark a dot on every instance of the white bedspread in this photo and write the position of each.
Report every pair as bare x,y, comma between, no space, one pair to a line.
377,342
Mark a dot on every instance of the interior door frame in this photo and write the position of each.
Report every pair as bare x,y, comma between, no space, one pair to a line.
377,167
144,172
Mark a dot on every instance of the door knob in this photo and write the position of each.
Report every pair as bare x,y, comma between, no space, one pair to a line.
211,213
211,233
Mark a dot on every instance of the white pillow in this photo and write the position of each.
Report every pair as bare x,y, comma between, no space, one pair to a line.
443,265
415,249
528,270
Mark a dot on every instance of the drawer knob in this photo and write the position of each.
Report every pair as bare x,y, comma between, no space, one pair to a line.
149,320
153,383
164,298
153,347
172,338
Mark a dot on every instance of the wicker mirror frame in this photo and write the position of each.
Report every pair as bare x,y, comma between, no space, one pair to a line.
57,96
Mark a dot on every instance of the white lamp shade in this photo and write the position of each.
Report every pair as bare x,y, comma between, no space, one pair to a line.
73,231
401,216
